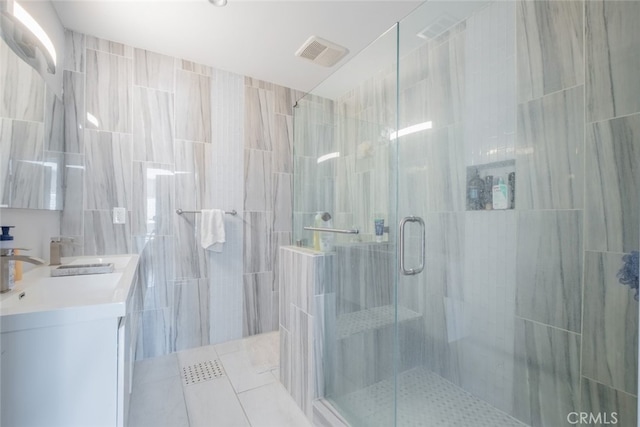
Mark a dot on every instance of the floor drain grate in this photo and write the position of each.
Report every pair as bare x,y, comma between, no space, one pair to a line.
203,371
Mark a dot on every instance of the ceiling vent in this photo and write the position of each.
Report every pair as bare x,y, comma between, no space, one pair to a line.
321,52
442,24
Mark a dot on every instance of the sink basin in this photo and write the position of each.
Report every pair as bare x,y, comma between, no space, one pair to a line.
62,291
82,269
42,299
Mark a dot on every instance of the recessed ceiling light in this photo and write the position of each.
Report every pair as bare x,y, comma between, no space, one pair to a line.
218,2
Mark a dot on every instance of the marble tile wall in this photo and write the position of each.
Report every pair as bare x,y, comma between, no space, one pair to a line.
227,189
600,399
610,330
612,154
364,274
268,191
550,157
108,95
360,133
305,293
490,84
578,211
551,34
549,268
611,43
153,133
552,357
314,185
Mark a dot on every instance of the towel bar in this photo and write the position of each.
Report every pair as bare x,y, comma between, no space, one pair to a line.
180,212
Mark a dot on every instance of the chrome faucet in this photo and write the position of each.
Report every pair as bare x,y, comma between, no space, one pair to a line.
55,247
7,267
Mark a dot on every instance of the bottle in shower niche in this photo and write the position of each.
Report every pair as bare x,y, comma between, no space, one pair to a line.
500,195
378,225
475,191
512,190
317,222
488,192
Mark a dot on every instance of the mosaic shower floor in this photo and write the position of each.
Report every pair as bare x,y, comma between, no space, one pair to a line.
424,399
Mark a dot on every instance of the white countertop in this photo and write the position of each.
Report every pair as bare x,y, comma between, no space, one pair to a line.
39,300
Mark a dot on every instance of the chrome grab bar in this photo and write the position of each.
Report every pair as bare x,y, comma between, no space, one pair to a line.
180,212
333,230
403,269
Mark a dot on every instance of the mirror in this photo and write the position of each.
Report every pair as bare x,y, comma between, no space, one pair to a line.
31,137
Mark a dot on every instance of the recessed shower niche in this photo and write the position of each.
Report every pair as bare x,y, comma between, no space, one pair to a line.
491,186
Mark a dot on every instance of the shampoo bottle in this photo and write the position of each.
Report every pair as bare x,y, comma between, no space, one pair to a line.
317,222
500,195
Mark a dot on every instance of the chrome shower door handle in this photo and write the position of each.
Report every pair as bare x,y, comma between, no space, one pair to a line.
411,271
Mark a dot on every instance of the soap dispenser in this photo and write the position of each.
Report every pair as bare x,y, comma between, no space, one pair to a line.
7,249
6,239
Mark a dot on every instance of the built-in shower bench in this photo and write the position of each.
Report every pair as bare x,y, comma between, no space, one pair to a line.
372,319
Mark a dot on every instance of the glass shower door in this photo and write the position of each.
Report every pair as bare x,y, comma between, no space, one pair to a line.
520,154
457,368
344,158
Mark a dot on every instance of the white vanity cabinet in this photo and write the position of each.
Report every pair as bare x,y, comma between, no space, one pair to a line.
67,348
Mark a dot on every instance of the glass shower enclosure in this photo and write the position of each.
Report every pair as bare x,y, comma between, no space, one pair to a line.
479,167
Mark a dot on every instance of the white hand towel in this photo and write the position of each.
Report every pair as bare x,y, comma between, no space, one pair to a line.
212,229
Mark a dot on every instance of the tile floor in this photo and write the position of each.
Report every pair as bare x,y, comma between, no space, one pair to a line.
424,399
248,393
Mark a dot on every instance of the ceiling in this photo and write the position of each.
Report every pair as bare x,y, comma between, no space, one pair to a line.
253,38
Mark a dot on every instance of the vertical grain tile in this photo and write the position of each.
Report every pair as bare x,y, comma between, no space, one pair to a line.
550,165
193,107
74,111
108,170
612,43
547,374
257,303
614,406
549,268
152,125
258,191
259,118
71,221
257,242
611,215
153,70
103,237
550,47
108,91
190,314
74,51
610,339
